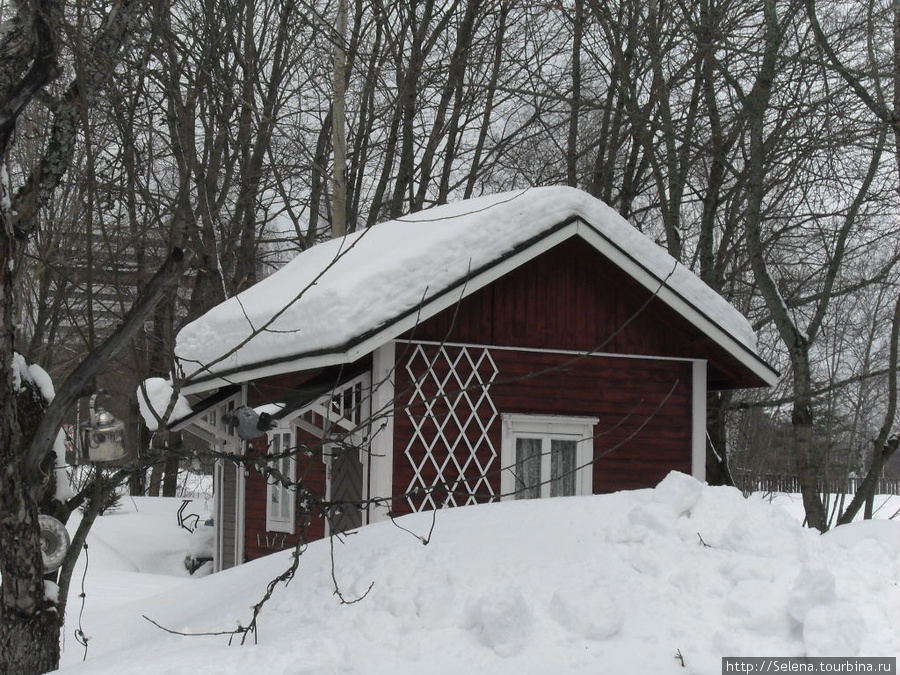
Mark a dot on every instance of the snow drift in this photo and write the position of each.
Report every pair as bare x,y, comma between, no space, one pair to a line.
618,583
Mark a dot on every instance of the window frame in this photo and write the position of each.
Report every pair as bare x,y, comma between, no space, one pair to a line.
547,428
279,523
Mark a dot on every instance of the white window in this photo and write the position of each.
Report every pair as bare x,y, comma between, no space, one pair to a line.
280,497
546,456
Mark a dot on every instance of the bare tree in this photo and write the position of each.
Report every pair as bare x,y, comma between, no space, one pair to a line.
30,620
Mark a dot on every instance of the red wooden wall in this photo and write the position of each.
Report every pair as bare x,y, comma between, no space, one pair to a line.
311,526
570,298
574,298
643,406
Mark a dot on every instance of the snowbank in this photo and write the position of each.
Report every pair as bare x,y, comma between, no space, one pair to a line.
617,583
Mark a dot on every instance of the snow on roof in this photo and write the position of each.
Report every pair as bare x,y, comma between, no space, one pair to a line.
337,292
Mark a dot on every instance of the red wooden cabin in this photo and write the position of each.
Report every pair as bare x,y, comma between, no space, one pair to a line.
524,345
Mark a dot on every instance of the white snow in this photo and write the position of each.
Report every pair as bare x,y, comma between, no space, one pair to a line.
51,591
5,201
43,382
158,394
614,583
33,373
63,485
340,290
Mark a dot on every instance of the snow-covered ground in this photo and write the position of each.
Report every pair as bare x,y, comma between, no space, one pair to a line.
618,583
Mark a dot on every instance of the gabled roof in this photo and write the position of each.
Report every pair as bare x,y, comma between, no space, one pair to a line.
341,299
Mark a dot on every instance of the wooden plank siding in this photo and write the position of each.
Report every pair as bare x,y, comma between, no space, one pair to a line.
310,473
573,298
643,406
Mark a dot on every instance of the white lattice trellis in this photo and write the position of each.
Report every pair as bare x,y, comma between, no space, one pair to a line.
451,412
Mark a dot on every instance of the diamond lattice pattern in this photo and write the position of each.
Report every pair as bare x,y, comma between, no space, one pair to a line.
451,412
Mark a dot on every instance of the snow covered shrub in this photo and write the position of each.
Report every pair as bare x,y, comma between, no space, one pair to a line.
200,550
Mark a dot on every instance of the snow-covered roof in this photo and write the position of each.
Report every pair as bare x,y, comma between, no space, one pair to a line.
340,299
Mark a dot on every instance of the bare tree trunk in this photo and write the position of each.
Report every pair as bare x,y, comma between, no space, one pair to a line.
137,482
317,189
156,476
29,622
367,117
338,126
575,98
408,97
173,464
795,340
885,444
451,91
717,471
876,100
487,117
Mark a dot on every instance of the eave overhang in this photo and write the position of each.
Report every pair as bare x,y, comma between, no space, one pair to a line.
574,226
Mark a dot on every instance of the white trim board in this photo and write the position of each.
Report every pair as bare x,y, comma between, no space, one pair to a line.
545,350
698,421
380,469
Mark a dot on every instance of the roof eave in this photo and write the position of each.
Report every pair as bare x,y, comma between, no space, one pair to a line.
736,348
565,229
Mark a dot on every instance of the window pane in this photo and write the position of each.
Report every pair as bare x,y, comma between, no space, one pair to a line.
280,489
274,492
285,469
562,467
528,468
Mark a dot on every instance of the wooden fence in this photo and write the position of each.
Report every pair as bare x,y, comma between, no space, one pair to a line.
789,483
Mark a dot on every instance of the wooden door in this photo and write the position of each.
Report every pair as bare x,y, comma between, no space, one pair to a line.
346,493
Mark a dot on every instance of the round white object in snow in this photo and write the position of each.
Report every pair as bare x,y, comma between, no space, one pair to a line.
54,542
